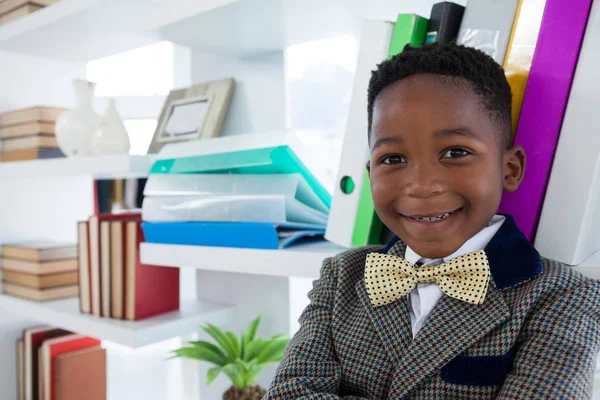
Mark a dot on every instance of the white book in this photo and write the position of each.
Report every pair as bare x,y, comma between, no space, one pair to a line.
374,48
568,226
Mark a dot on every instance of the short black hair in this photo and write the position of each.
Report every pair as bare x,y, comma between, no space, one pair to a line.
484,76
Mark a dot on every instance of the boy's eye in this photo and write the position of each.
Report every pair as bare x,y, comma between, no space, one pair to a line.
456,153
393,160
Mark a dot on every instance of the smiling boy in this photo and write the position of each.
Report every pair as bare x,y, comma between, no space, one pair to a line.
459,304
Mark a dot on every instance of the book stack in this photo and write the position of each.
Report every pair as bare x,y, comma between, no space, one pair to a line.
250,191
113,281
39,271
12,10
29,134
54,364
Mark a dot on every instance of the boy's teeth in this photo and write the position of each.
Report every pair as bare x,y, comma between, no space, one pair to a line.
433,219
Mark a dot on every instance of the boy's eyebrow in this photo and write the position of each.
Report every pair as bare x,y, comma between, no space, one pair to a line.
456,132
387,140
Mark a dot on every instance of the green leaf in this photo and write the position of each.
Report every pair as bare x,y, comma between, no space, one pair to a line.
236,374
249,335
254,373
273,352
210,347
235,342
247,366
199,353
277,337
212,374
254,348
246,370
221,338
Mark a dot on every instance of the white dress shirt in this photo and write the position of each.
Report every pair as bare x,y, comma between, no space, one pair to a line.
423,298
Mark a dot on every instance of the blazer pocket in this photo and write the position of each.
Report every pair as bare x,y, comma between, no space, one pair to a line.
478,371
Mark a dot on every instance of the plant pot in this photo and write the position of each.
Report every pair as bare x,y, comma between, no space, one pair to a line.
253,392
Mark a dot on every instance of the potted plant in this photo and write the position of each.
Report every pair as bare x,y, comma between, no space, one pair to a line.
241,359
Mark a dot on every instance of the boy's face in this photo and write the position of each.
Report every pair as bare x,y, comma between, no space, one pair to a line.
437,168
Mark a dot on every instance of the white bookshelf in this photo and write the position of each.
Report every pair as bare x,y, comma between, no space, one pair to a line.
65,314
84,30
303,260
100,167
299,261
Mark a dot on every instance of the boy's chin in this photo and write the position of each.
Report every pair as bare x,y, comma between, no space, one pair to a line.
434,246
435,250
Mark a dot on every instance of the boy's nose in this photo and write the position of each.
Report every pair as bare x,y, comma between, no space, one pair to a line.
423,180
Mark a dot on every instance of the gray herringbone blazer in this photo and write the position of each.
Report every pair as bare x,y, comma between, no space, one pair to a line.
537,335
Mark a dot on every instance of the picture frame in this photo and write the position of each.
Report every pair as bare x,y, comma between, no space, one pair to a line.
193,113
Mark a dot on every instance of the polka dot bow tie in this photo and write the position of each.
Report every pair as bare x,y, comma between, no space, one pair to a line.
389,278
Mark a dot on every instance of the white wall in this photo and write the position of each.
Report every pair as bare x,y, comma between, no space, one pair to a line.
257,104
321,39
28,81
28,209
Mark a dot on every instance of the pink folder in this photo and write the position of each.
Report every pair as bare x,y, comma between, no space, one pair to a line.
546,96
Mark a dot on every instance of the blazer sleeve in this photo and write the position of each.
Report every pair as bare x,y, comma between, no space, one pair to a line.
310,369
557,354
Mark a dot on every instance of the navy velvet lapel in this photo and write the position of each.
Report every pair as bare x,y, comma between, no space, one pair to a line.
512,258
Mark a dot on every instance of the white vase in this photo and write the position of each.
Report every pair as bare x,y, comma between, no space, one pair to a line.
75,128
111,137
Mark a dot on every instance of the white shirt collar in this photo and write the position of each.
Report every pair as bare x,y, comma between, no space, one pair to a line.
478,242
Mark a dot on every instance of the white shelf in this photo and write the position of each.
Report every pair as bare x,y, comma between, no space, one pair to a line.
84,30
590,267
65,314
590,272
101,167
304,260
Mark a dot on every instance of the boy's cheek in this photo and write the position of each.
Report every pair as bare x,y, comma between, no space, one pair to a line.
383,195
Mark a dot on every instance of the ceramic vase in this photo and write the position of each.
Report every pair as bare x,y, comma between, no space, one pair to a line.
111,137
75,128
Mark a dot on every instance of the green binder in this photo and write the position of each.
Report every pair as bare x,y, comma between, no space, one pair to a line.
408,29
269,160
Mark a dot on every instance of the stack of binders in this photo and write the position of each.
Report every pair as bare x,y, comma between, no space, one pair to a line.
249,191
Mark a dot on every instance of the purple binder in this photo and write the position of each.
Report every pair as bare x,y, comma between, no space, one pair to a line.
552,69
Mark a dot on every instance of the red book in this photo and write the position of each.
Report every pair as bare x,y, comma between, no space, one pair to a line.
149,289
32,341
95,254
53,348
80,375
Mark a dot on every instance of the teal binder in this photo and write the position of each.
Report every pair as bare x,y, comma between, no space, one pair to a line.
269,160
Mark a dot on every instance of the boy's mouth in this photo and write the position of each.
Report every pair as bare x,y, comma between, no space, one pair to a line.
432,218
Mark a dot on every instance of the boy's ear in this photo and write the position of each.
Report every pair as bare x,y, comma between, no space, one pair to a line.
369,169
515,161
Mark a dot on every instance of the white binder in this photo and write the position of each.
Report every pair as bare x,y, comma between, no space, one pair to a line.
374,48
